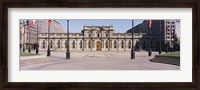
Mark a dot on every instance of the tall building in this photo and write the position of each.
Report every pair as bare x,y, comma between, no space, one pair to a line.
168,30
41,26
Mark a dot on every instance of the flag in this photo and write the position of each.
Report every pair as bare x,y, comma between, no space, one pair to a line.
32,23
149,23
49,23
23,23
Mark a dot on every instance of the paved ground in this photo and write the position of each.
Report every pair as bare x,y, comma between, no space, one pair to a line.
95,60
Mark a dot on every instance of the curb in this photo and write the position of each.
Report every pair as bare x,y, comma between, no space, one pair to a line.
32,57
166,60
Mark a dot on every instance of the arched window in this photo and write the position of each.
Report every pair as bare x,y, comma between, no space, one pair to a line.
73,44
115,44
66,43
51,44
58,43
129,44
106,43
81,44
89,44
98,35
122,44
43,44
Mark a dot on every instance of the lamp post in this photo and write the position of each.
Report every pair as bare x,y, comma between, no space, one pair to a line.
37,46
150,22
101,29
83,40
48,50
160,39
118,41
67,52
91,43
166,46
24,38
132,50
108,40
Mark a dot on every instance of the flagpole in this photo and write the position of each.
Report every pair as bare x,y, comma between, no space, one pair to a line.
24,37
29,49
150,22
160,39
37,46
132,51
48,50
140,38
67,52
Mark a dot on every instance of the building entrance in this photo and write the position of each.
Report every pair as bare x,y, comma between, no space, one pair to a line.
98,46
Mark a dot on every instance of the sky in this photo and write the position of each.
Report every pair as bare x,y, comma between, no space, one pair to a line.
76,25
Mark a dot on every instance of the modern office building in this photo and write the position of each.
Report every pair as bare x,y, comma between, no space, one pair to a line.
166,31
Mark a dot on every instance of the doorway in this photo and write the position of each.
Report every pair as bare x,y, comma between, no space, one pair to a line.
98,46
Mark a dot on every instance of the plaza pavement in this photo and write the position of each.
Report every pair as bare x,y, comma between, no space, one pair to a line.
95,60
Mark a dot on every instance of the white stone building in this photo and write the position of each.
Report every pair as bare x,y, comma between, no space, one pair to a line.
91,38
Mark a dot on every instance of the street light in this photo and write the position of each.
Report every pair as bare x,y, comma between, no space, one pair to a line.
24,37
67,52
37,40
101,30
160,39
48,51
132,50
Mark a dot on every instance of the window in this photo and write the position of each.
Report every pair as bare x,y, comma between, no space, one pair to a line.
73,44
58,43
115,44
98,35
106,35
43,44
89,44
81,42
129,44
66,43
122,44
106,43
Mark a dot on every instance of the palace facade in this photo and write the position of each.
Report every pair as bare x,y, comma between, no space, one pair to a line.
91,38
